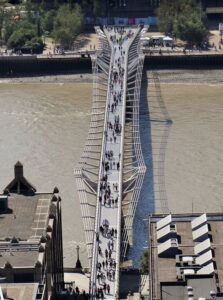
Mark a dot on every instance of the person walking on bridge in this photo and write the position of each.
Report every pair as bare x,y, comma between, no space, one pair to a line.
108,288
106,253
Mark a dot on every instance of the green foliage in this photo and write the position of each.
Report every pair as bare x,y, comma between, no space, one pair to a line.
26,41
19,37
190,29
47,20
61,19
144,262
1,18
7,24
167,12
2,13
68,24
183,19
24,37
35,45
31,5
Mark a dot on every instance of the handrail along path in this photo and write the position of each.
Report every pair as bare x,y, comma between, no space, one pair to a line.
106,246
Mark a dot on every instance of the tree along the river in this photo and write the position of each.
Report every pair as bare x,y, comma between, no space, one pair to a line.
68,24
144,262
183,19
191,29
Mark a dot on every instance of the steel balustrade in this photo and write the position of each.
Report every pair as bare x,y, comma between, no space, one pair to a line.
131,173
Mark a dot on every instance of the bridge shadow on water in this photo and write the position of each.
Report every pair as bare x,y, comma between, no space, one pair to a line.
155,125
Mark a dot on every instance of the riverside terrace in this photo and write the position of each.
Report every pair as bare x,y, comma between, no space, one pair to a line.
30,240
186,256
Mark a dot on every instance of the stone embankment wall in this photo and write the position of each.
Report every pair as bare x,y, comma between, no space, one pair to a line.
34,66
184,61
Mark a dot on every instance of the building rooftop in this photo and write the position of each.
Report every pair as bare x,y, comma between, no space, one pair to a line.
31,253
173,272
24,220
17,291
18,260
200,289
22,229
28,216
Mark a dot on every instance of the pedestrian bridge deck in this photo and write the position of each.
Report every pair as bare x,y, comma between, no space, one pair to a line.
122,69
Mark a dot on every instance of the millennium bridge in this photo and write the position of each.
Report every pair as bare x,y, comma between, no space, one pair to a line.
111,170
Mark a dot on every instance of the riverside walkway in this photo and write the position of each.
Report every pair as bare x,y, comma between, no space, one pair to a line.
117,68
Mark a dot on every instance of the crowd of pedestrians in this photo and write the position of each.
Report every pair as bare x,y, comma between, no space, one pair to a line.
109,189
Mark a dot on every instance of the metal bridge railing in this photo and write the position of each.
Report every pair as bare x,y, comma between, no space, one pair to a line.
90,172
98,207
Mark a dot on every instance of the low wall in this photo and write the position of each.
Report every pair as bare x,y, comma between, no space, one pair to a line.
32,65
12,66
184,61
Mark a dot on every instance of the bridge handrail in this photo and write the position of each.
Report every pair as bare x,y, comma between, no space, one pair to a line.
140,171
79,171
120,179
98,207
121,168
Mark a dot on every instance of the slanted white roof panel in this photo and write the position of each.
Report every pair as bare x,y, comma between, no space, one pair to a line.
206,270
171,243
206,244
163,222
198,221
204,258
163,231
200,232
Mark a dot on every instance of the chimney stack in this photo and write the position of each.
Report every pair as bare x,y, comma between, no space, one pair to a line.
18,169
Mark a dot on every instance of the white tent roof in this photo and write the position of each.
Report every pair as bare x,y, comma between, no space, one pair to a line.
167,38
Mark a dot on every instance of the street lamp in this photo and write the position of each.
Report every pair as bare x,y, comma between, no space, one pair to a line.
78,262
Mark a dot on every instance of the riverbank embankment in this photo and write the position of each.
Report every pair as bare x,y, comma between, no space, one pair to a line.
17,66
